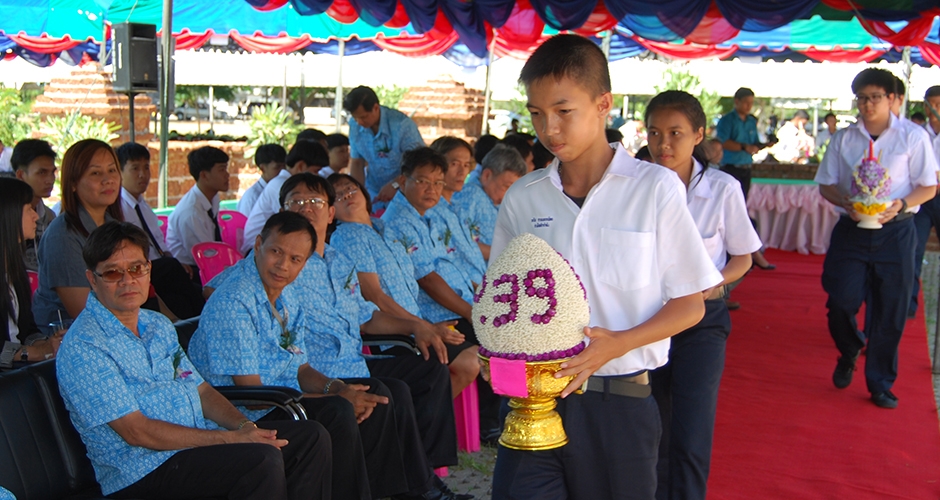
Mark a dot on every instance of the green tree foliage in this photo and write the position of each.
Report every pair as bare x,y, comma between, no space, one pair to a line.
16,121
676,78
63,131
517,105
390,96
271,124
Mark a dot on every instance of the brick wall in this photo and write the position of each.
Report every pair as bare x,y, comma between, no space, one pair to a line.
179,181
784,171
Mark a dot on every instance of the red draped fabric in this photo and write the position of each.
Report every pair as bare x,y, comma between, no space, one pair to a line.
435,42
399,19
931,52
186,40
911,35
276,45
343,11
686,51
599,20
271,5
713,29
43,44
524,27
502,48
845,56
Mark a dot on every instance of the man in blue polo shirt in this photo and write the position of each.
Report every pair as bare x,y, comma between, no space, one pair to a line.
152,426
377,137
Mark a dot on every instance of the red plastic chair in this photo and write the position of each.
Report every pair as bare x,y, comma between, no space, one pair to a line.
232,225
213,257
467,418
33,281
164,224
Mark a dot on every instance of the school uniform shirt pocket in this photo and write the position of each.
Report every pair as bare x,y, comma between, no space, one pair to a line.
714,245
626,258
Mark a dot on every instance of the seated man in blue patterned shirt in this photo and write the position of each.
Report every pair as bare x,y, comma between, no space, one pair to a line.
478,202
251,336
152,426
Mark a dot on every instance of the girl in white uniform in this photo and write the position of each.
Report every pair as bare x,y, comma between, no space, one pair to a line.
687,387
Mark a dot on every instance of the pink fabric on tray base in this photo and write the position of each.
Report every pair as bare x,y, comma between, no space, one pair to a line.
792,217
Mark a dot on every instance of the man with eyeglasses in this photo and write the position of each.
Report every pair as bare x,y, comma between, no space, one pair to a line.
875,263
153,427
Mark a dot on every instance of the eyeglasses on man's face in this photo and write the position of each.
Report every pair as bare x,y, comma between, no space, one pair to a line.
425,184
874,98
116,275
299,204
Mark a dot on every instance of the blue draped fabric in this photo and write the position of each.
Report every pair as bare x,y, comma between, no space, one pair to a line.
460,55
353,47
311,7
564,14
663,20
765,15
421,13
374,12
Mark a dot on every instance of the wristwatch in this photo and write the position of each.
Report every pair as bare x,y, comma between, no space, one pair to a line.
395,184
24,354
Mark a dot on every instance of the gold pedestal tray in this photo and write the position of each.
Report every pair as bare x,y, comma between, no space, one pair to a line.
533,424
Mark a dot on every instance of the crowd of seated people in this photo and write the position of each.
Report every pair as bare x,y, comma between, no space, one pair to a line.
321,272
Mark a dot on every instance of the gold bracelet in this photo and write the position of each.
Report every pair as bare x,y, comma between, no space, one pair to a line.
244,423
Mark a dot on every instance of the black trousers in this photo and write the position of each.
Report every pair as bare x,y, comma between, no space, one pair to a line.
928,216
743,175
611,454
429,383
174,286
488,400
686,390
879,263
300,470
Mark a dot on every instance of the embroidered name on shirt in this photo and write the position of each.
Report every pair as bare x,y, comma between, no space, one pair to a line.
541,221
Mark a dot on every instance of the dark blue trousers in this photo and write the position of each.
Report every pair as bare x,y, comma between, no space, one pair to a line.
686,389
927,217
876,263
611,454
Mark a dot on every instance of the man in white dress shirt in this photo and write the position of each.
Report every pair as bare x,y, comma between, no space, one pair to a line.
171,280
270,160
929,214
195,218
305,156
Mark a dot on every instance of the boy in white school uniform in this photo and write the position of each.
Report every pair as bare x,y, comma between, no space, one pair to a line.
195,218
624,227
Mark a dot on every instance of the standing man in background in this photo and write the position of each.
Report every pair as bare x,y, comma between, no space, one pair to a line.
377,138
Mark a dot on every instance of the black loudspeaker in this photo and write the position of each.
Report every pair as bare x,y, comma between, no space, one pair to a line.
135,57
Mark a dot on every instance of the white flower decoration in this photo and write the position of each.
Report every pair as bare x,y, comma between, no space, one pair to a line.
531,304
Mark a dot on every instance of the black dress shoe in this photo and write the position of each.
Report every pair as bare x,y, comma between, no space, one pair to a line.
440,485
885,399
845,368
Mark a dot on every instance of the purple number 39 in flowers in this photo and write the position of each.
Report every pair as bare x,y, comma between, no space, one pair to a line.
546,292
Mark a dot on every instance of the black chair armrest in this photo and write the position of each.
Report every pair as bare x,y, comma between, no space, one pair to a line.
391,339
285,398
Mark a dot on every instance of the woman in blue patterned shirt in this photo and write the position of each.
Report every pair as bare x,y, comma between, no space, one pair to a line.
386,277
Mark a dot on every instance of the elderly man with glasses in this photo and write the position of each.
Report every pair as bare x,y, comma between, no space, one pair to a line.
153,427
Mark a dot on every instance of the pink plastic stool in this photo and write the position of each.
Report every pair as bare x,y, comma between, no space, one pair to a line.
441,472
467,418
213,257
232,226
33,281
164,222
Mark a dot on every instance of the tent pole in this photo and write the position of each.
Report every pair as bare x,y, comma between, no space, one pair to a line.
166,42
486,92
338,99
605,44
906,59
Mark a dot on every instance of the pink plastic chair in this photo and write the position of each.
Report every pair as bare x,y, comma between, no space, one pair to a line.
33,281
164,224
232,225
213,257
467,418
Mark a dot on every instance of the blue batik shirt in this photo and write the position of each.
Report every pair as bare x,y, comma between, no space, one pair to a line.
382,150
418,236
239,335
455,236
731,126
477,211
106,372
335,311
371,253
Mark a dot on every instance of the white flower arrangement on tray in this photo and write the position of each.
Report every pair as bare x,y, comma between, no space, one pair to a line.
531,305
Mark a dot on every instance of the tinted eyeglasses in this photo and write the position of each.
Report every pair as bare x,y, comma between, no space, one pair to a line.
116,275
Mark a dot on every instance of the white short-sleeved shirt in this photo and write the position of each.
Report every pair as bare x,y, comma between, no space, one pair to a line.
247,201
904,150
190,224
633,243
128,202
717,205
264,208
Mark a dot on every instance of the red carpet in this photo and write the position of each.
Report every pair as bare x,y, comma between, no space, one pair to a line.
785,432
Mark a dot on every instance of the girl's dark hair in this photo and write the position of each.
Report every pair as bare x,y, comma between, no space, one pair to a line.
106,238
74,164
448,143
689,106
14,193
335,178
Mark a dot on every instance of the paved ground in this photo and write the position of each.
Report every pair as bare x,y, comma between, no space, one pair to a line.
931,280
